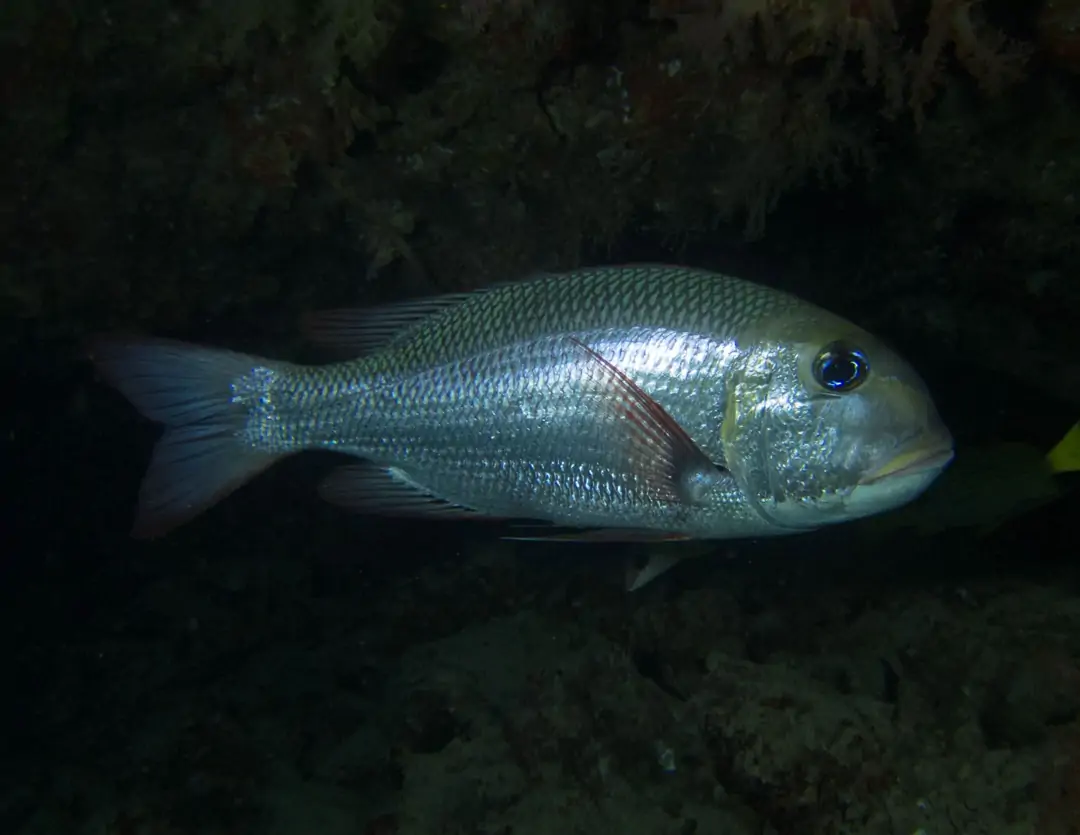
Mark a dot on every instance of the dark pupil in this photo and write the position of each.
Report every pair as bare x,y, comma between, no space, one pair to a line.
840,368
837,372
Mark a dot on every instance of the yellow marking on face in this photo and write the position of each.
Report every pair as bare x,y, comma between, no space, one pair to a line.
913,459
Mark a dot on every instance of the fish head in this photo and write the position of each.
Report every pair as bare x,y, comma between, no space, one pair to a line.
827,424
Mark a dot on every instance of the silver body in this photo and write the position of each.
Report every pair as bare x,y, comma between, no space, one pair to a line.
488,403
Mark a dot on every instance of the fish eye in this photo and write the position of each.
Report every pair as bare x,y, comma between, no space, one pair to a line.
840,368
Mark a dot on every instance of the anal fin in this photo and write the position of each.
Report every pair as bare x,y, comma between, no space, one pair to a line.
598,535
388,491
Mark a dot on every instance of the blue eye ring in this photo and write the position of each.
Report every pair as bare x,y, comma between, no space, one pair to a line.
840,368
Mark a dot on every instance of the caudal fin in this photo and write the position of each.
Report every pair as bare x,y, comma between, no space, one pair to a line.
1065,457
202,456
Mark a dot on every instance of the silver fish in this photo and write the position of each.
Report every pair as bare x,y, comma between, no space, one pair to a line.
641,402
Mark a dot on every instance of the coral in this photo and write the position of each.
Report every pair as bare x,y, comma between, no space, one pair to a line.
780,83
277,116
480,139
1057,28
489,692
991,58
1059,790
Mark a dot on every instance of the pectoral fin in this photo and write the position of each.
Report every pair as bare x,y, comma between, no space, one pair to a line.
656,447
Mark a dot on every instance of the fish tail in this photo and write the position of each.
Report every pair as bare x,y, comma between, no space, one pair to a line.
1065,457
203,454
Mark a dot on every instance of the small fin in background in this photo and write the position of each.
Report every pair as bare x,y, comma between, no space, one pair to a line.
1065,456
638,575
200,459
387,491
658,448
598,535
359,331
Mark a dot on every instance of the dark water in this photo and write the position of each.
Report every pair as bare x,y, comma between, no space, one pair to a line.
274,629
281,667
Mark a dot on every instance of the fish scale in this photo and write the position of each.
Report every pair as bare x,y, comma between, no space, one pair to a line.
657,400
534,409
588,299
585,302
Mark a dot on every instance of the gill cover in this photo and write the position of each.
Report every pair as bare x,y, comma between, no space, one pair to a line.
830,425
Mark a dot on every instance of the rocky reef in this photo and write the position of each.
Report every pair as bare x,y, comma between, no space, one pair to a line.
170,161
521,691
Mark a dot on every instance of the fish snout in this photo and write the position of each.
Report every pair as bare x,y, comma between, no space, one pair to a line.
922,456
921,441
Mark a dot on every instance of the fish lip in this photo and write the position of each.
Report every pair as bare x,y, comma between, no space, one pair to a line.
934,457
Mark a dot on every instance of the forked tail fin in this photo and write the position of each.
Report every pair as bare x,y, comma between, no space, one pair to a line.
203,455
1065,457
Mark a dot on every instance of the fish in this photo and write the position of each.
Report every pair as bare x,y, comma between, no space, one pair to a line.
629,403
1064,457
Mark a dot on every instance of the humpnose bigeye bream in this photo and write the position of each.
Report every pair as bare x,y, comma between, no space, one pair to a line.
625,402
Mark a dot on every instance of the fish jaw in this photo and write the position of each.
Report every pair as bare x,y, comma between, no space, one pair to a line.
903,479
920,459
915,463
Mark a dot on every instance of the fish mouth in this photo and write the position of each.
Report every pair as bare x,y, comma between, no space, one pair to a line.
918,460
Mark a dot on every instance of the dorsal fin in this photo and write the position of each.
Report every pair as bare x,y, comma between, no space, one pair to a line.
355,331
